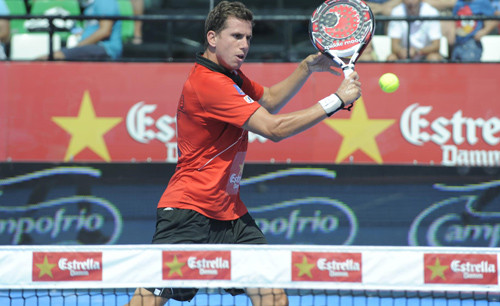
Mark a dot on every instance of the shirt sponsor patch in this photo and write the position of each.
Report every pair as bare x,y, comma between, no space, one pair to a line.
238,89
248,99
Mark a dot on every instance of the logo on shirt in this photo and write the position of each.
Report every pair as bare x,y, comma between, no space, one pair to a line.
233,185
238,89
246,97
465,27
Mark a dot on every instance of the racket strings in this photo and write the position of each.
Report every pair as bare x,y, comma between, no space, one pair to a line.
340,21
342,29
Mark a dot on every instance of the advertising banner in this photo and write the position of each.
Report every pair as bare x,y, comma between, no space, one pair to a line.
115,203
432,276
442,114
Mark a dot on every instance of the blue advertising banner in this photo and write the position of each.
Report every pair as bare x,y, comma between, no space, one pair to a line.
293,204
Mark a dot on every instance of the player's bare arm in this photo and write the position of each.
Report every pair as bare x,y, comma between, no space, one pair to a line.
281,126
278,95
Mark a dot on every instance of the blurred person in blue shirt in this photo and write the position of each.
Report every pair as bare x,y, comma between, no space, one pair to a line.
4,29
100,39
468,33
496,6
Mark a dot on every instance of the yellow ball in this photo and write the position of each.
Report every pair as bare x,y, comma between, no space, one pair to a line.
389,82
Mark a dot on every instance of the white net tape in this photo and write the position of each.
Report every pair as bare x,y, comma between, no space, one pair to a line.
99,271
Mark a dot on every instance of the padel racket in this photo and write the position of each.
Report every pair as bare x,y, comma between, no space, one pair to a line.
342,29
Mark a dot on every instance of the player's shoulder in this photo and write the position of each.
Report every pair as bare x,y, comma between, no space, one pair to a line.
206,82
207,77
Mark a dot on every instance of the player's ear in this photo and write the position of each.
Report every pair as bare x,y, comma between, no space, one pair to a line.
211,38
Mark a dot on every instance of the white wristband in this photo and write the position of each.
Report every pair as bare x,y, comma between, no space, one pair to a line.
331,104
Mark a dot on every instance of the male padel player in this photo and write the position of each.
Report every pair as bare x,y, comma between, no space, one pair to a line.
217,108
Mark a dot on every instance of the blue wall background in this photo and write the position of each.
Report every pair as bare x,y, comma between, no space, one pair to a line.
293,204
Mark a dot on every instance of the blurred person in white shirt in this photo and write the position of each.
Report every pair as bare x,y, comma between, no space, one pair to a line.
425,36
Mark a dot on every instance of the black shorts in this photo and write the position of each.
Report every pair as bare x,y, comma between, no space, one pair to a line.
185,226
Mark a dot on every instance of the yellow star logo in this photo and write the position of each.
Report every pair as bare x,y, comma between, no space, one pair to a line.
359,132
437,270
175,266
304,267
87,130
45,268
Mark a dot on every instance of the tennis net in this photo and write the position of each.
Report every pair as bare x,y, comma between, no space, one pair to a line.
311,275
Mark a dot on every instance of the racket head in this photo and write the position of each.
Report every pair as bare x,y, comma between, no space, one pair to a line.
341,27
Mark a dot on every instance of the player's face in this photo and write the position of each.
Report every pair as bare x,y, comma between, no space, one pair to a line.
232,43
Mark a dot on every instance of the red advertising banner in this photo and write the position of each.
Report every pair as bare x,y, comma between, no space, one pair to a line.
481,269
67,266
196,265
442,114
326,267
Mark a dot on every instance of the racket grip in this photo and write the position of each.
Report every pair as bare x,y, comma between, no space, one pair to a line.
348,70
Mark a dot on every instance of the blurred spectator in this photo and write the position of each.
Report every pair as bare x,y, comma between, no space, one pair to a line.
138,7
425,36
468,33
368,54
445,8
4,29
496,5
382,7
100,39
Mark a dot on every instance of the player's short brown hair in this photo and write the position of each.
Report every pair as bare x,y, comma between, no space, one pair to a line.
216,19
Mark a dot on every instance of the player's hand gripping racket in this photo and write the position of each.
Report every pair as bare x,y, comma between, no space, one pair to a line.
342,29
